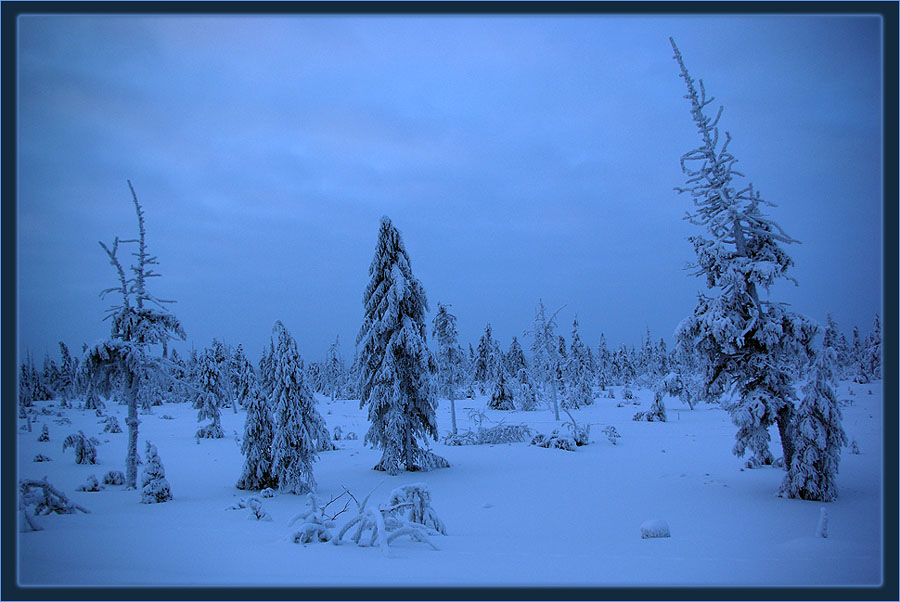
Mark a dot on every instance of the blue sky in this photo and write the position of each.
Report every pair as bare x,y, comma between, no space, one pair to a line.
520,157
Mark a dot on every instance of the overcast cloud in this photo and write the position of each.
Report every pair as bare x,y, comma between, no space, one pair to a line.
520,157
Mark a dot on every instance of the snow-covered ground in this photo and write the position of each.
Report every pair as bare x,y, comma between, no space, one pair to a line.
516,514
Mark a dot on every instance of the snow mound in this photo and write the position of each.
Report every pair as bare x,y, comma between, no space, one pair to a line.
654,528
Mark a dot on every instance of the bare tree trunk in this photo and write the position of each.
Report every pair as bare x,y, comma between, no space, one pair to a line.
784,419
131,457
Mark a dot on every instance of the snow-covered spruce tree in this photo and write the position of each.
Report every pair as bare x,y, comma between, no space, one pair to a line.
119,363
486,361
501,394
545,354
871,360
818,436
514,359
578,373
225,364
245,379
66,376
393,357
334,371
259,432
745,344
298,425
604,364
155,486
449,357
209,393
833,338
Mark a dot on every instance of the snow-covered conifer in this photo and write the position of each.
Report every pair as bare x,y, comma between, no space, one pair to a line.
245,383
871,354
335,374
119,363
209,393
486,361
514,359
256,445
817,435
526,397
744,343
155,486
394,379
297,422
449,357
604,364
578,373
501,394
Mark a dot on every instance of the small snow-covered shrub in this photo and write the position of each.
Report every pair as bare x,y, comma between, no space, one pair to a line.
316,526
502,433
611,434
45,434
580,434
155,486
62,421
46,499
627,394
656,413
611,394
42,458
112,425
49,412
413,504
210,431
555,440
85,450
98,412
351,436
654,528
854,448
267,492
92,484
337,433
114,477
257,511
255,506
166,417
381,527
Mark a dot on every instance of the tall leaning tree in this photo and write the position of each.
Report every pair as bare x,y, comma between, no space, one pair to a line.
744,341
394,379
140,329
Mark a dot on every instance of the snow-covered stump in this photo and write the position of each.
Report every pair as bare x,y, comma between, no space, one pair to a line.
654,528
822,527
46,499
45,434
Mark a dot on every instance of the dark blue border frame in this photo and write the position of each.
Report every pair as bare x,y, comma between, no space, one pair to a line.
8,372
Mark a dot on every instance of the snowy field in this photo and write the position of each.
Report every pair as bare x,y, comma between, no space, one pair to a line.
516,514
